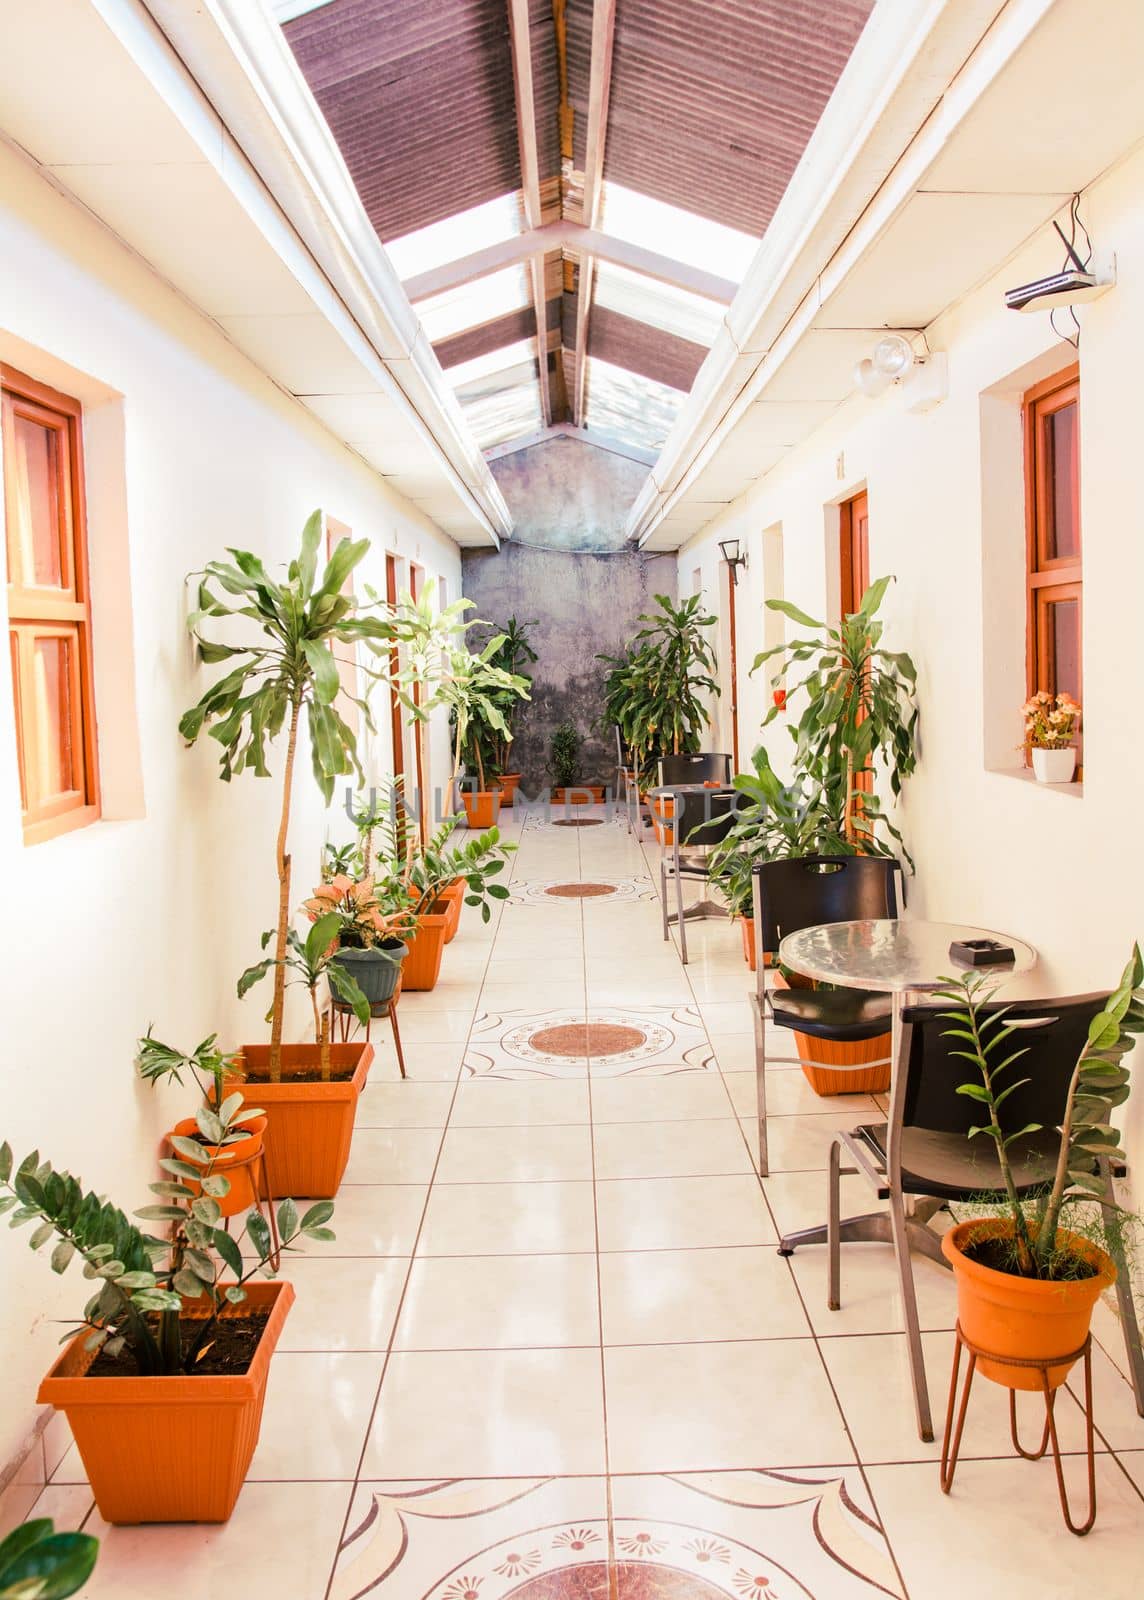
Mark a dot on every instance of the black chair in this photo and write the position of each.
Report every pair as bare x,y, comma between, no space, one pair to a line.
700,818
924,1149
802,893
707,767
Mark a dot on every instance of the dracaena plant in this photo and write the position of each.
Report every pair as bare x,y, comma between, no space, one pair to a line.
513,655
655,692
301,620
37,1563
311,960
477,693
565,750
859,712
157,1300
158,1062
1099,1082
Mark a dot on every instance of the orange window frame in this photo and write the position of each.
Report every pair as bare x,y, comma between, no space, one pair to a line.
60,611
396,721
1049,579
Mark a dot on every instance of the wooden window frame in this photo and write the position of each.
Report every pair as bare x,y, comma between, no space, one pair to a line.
396,721
63,612
416,589
1048,579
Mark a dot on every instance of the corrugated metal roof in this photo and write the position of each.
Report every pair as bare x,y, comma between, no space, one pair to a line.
713,101
420,99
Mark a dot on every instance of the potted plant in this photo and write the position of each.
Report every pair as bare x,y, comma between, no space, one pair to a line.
368,922
164,1381
477,693
1051,724
431,883
564,765
514,656
289,667
37,1563
1026,1282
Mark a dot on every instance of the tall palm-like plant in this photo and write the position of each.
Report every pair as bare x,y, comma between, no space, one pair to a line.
654,691
301,620
478,693
860,709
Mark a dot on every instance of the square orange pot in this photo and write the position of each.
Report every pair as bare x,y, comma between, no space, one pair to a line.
308,1125
422,966
453,898
168,1449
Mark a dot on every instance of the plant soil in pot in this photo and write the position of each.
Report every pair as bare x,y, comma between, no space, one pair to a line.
1027,1318
833,1066
423,963
170,1449
310,1122
237,1162
482,807
377,972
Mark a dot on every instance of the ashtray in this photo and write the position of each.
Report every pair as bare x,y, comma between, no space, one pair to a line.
981,952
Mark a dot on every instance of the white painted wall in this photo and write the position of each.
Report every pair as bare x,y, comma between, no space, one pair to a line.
946,501
147,916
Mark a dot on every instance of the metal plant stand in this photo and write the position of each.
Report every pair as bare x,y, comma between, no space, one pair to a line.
343,1015
951,1443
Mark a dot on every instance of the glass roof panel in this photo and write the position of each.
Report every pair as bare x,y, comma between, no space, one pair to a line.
629,406
472,304
499,393
679,234
660,305
457,236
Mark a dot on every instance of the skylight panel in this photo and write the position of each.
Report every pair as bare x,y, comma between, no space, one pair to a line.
456,236
470,305
661,305
508,357
502,404
629,406
679,234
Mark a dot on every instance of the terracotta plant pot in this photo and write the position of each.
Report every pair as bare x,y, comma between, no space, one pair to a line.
509,784
168,1449
662,808
453,898
1029,1318
747,929
580,794
482,807
375,975
423,963
309,1123
233,1161
858,1067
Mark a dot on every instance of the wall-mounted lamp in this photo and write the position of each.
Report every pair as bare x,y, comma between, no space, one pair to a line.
892,359
730,552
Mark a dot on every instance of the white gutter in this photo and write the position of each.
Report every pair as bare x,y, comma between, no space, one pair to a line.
906,59
239,59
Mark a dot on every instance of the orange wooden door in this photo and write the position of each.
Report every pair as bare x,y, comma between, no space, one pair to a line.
855,552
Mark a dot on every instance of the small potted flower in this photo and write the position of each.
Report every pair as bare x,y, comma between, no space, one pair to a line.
1051,724
368,927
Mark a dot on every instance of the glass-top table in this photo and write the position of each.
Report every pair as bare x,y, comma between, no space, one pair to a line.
904,957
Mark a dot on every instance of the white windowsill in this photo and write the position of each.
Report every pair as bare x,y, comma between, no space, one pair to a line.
1073,791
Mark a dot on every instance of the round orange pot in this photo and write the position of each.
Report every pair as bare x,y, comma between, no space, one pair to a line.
1029,1318
422,965
482,807
453,898
237,1162
860,1066
747,929
168,1449
662,809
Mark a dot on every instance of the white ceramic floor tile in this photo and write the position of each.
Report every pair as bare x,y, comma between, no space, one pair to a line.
509,1219
701,1407
316,1416
675,1297
682,1213
500,1103
499,1302
342,1304
499,1155
408,1104
371,1219
683,1097
870,1299
392,1155
670,1149
488,1413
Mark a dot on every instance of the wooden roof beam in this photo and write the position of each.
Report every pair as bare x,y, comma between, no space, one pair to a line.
530,182
599,90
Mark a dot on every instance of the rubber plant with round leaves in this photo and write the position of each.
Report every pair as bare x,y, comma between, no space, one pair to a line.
37,1563
290,666
1027,1281
163,1382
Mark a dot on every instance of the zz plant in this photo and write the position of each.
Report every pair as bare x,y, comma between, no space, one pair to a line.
290,666
1100,1081
148,1289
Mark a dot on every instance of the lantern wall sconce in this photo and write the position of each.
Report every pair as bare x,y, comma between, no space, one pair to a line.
730,550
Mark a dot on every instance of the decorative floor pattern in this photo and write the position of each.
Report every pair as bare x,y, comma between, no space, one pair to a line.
617,891
715,1536
563,1043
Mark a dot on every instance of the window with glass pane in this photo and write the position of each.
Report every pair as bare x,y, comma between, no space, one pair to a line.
48,606
1054,578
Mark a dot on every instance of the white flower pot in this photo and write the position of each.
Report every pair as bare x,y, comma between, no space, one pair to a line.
1054,766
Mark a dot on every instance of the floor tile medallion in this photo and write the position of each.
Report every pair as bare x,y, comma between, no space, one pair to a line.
608,1041
745,1536
616,891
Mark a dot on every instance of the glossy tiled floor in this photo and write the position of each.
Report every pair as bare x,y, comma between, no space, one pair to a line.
554,1353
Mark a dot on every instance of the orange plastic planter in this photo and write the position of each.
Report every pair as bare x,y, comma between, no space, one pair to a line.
662,808
509,784
747,929
580,794
168,1449
422,965
861,1067
309,1124
237,1162
454,899
482,808
1029,1318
